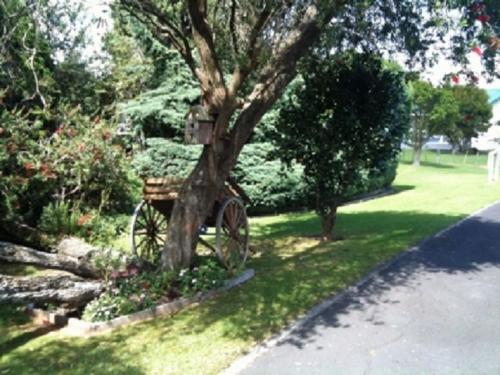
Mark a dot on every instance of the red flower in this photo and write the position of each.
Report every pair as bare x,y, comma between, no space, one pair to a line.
455,79
477,50
484,18
146,285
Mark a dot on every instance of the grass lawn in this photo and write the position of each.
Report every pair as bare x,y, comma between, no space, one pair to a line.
294,272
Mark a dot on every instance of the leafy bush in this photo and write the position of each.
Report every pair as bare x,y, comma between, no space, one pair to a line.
166,158
60,218
107,307
130,291
73,160
209,275
271,186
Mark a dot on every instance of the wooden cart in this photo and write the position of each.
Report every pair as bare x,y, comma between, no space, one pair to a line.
224,232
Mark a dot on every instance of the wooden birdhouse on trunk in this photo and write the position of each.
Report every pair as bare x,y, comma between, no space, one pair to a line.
199,126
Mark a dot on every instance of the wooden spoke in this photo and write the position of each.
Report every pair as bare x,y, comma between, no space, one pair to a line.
232,233
148,231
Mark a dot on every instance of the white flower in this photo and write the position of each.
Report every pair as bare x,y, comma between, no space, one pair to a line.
193,281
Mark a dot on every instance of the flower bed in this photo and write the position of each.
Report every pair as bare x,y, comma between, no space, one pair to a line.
78,327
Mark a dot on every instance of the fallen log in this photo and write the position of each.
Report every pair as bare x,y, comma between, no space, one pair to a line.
81,266
70,291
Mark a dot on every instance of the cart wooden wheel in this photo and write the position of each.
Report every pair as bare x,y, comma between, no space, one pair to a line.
148,231
232,234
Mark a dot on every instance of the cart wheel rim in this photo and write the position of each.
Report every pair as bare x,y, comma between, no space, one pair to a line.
147,233
232,233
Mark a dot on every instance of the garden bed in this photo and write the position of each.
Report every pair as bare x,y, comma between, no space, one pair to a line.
78,327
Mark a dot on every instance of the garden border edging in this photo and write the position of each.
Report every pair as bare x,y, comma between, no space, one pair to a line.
78,327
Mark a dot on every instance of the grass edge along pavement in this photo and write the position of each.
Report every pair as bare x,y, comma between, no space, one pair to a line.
293,273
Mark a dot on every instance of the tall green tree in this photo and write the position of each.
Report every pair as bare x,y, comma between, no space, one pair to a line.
434,111
345,121
475,113
243,55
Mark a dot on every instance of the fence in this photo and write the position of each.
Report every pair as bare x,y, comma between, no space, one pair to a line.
494,165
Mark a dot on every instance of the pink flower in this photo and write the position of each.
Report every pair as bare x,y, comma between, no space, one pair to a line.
455,79
477,50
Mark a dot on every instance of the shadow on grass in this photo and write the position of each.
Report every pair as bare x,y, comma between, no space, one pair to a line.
23,338
430,164
292,275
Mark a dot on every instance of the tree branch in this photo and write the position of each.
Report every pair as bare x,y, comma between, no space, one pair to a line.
279,72
215,93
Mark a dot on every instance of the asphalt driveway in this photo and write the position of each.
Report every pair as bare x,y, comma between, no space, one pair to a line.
435,310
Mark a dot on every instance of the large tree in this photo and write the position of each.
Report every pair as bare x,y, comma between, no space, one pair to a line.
434,111
475,113
244,54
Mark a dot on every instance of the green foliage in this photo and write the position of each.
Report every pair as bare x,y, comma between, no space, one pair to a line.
130,291
107,307
271,186
59,218
344,124
208,275
75,163
434,111
165,158
474,114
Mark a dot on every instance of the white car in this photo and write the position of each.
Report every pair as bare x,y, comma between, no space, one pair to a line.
438,143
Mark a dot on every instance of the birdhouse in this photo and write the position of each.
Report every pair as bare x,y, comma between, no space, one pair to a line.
199,126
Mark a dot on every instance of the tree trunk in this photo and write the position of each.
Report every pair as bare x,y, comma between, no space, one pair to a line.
417,154
81,266
71,291
328,220
194,205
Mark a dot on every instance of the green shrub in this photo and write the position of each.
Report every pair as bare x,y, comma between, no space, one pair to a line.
271,185
60,218
165,158
72,160
108,306
209,275
129,292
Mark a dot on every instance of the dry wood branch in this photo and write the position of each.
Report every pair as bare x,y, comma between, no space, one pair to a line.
21,254
59,289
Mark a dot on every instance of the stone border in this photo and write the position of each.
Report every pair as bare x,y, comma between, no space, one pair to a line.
78,327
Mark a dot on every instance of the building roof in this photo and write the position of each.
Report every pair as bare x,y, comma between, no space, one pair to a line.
494,96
